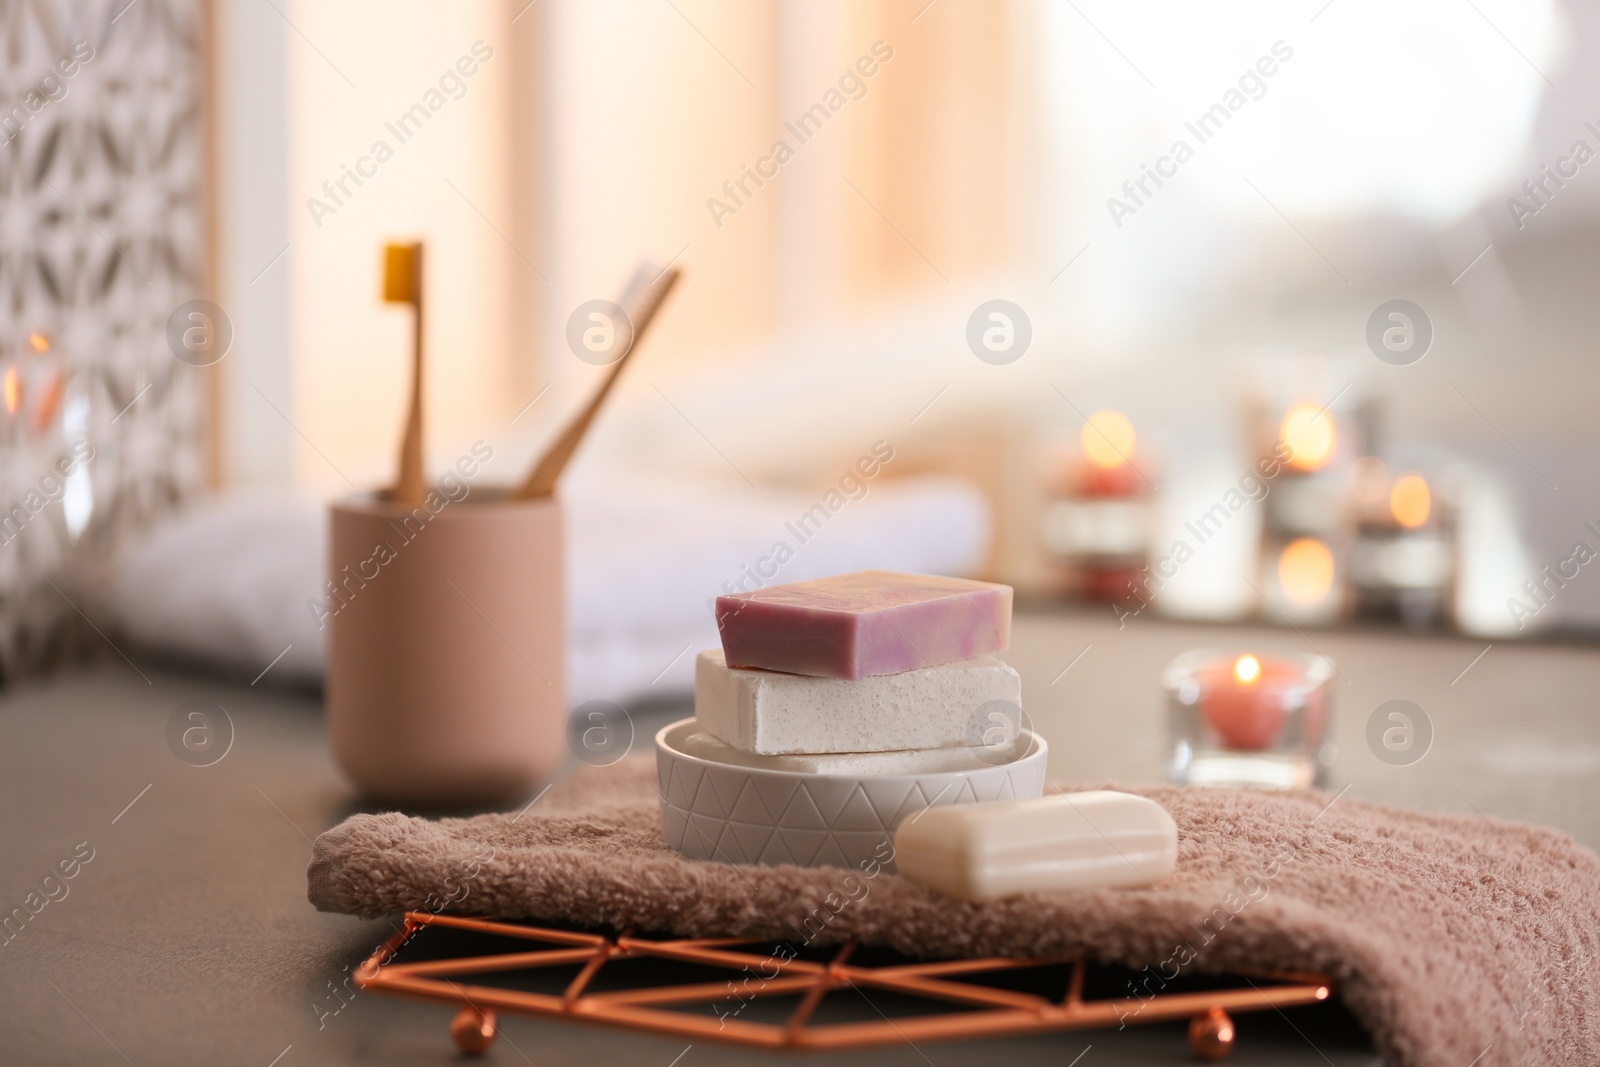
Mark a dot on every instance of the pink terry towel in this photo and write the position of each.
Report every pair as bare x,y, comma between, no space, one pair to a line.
1451,936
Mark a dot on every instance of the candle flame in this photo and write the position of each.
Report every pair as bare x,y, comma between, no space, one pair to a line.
40,342
1247,668
1410,500
1107,439
1305,570
13,390
1308,431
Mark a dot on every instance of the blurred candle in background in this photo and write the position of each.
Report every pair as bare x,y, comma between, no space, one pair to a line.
1317,426
32,387
1309,498
1305,519
1410,501
1309,431
1095,524
1302,582
1108,440
1403,563
1306,571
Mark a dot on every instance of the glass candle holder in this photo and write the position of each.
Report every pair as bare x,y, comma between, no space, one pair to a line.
1403,562
1237,718
1095,522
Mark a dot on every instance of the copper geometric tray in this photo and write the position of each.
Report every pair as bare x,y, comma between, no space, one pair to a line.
964,1007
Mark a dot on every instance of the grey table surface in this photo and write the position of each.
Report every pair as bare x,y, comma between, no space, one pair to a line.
187,937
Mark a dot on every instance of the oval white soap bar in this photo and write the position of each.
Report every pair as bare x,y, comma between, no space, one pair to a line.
1094,840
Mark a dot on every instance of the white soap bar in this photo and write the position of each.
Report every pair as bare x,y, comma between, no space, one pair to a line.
850,764
1094,840
769,713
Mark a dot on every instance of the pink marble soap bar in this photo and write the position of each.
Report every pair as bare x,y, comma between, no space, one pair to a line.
864,624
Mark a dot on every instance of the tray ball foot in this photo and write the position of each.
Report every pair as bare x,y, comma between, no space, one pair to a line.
472,1030
1211,1034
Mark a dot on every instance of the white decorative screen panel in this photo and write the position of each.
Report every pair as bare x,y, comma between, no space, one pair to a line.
101,239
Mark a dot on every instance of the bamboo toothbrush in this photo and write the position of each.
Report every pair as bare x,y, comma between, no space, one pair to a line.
402,284
641,300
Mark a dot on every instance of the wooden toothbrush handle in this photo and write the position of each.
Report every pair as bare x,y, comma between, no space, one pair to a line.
412,485
541,482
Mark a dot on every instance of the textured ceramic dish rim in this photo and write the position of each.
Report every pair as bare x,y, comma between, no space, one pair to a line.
1037,748
1032,764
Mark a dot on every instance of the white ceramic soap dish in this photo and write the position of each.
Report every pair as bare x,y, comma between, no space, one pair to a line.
732,814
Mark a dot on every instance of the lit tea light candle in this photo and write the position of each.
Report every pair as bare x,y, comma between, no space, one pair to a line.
1099,524
1243,703
1404,557
1311,496
1248,719
1107,439
1410,501
1306,571
1310,434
